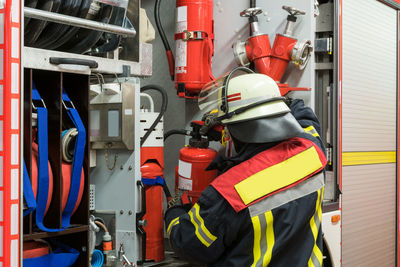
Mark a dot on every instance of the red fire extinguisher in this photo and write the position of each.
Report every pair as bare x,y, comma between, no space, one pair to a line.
194,45
152,164
191,175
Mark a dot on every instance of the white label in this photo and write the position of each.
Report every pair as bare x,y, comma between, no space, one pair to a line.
1,136
15,42
2,27
180,45
14,184
15,11
1,65
185,184
14,78
185,169
14,149
14,114
128,112
14,219
181,13
1,175
180,56
1,205
1,241
14,260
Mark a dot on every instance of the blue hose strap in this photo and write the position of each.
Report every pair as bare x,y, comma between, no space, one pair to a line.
28,193
157,181
77,162
63,256
43,164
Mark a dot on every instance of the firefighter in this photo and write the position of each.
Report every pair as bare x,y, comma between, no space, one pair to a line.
264,209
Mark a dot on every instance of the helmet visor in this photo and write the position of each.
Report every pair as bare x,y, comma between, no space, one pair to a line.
210,96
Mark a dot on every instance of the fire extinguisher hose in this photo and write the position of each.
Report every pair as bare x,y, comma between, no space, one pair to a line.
173,132
163,108
168,51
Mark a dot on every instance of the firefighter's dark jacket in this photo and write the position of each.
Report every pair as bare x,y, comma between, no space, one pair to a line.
283,229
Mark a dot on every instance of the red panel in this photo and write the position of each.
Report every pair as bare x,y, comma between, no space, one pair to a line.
11,152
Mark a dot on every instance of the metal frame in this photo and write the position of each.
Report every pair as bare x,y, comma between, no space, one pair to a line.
396,5
10,144
35,58
79,22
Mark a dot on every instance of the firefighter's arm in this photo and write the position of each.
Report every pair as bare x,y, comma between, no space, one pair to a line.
200,235
308,120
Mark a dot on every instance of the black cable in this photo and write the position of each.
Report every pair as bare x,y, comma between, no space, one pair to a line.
159,25
225,106
172,132
252,3
163,108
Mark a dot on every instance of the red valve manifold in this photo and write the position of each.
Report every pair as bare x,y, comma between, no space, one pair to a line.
194,46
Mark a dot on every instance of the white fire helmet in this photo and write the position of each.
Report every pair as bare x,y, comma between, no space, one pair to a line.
252,107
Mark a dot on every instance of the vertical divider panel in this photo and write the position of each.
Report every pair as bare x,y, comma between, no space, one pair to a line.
77,87
28,137
49,86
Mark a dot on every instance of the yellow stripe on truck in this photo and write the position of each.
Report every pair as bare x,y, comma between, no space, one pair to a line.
364,158
279,175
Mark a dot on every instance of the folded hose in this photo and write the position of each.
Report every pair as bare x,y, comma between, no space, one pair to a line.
163,108
97,258
70,33
54,31
85,39
31,4
113,42
35,26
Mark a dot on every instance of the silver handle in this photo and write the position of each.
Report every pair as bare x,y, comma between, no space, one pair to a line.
78,22
293,11
254,11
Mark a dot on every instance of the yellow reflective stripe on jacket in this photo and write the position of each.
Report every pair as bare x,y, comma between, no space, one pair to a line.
315,224
279,176
264,239
172,224
202,233
311,130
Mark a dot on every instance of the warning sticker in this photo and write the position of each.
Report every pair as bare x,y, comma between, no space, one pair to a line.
185,184
180,45
185,169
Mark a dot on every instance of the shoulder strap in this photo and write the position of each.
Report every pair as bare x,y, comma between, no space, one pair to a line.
269,172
